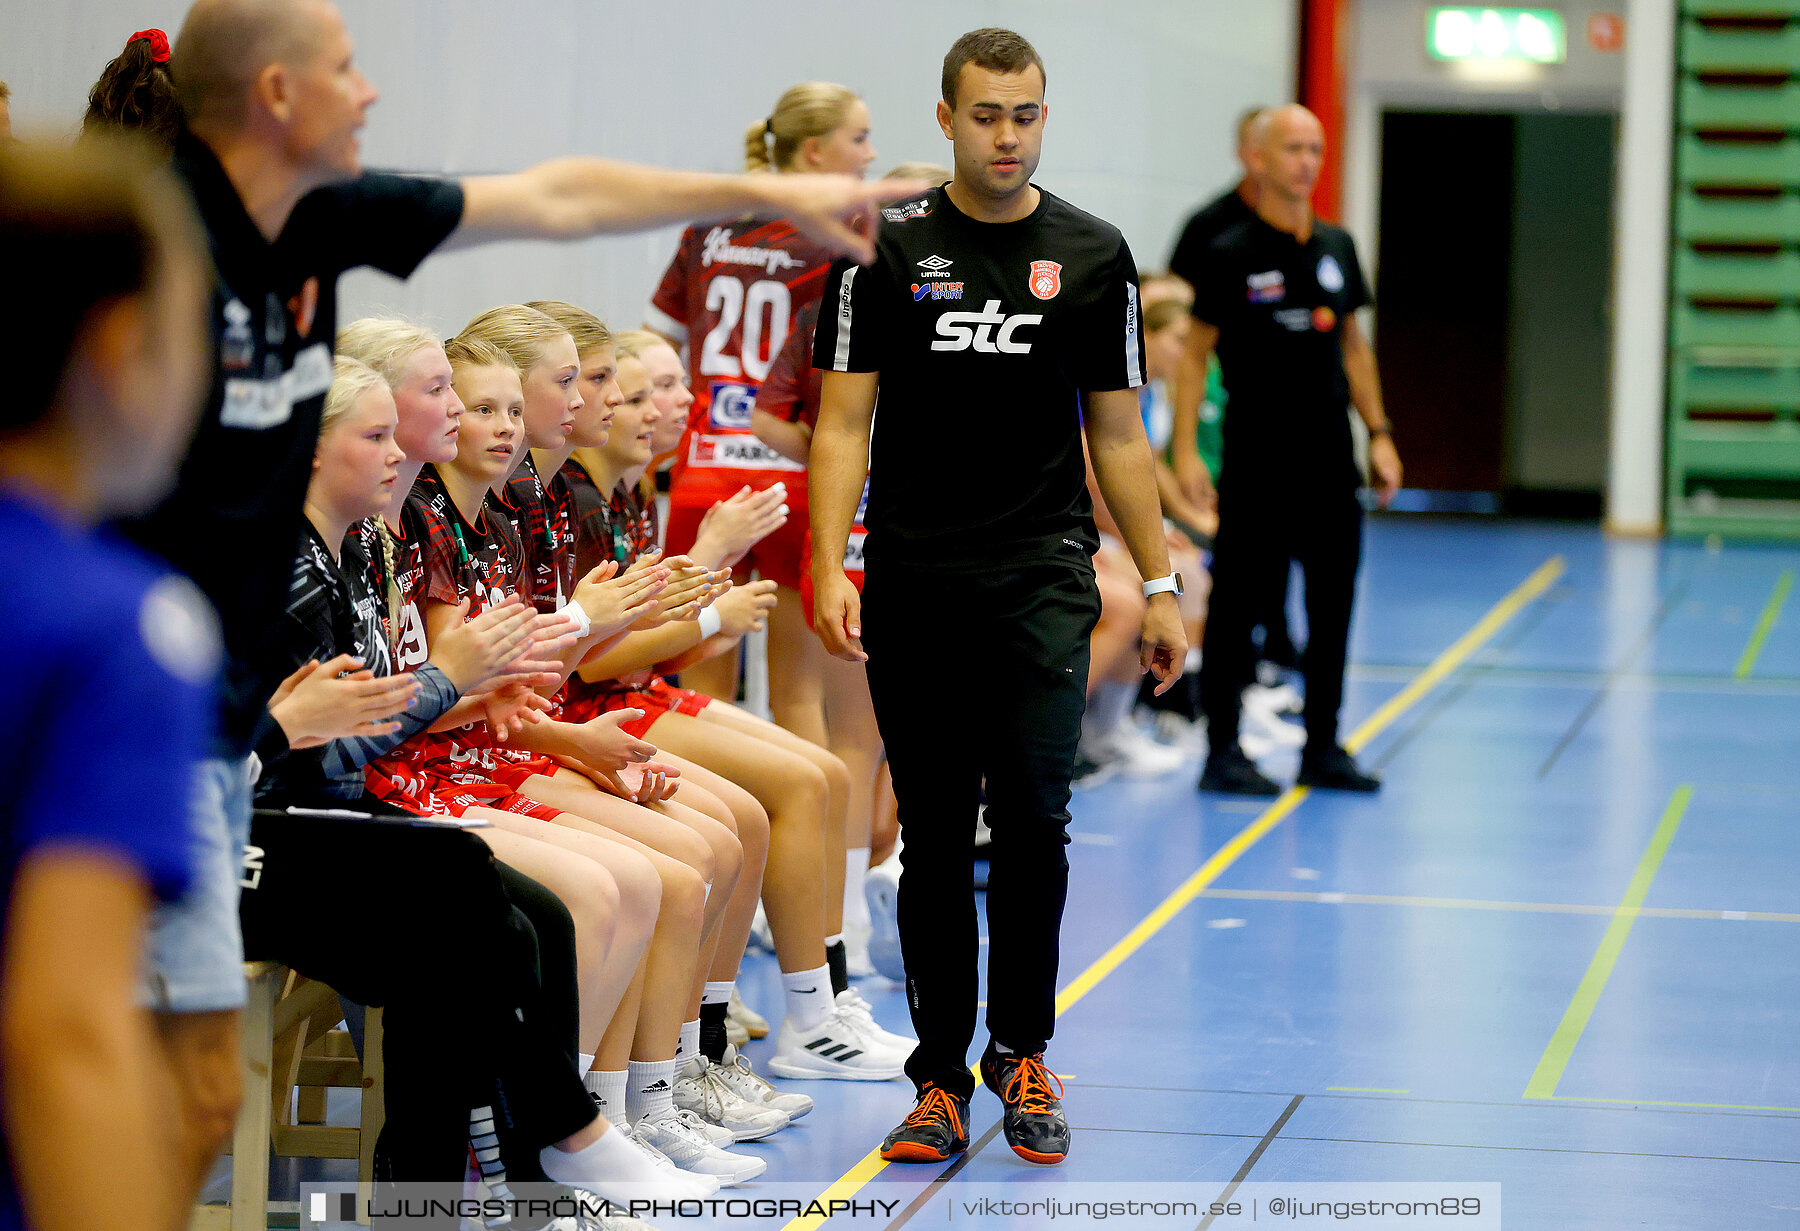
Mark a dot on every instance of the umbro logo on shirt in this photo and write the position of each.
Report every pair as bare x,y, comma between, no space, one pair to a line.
935,263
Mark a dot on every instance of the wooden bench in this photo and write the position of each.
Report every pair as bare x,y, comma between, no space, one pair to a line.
293,1057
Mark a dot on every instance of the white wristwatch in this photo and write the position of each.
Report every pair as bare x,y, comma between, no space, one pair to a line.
1165,585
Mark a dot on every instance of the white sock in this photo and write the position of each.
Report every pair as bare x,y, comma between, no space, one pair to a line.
650,1090
613,1168
717,993
689,1046
583,1062
609,1084
856,907
809,999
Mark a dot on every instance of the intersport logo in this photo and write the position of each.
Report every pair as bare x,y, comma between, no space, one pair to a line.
976,331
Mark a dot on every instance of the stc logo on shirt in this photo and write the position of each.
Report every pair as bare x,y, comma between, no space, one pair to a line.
976,331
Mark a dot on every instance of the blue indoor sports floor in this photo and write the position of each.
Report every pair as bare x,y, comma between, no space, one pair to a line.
1560,952
1420,986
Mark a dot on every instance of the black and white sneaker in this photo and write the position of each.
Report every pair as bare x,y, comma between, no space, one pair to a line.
843,1046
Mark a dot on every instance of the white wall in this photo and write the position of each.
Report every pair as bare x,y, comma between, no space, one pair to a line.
1141,96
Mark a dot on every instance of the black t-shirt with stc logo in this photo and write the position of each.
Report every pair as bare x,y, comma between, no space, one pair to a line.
985,336
1279,306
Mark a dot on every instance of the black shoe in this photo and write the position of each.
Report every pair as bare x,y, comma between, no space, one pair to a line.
1230,771
937,1128
1337,770
1031,1094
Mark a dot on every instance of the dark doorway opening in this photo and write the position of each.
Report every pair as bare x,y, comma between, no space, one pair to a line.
1494,272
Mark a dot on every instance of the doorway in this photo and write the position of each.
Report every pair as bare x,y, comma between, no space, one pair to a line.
1493,278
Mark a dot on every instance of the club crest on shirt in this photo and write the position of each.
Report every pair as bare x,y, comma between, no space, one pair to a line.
1331,274
1046,279
1270,287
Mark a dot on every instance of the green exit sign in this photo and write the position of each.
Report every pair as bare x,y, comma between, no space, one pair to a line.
1533,35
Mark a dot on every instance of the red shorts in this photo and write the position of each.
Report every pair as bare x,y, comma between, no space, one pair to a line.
776,557
852,555
656,698
431,795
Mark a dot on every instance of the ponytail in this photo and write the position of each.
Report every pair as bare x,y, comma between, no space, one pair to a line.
756,145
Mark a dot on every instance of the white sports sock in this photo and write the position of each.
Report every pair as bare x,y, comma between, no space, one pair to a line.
650,1089
856,870
689,1046
583,1062
609,1084
809,998
717,993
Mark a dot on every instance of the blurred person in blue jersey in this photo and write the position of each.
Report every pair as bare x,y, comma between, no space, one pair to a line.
112,666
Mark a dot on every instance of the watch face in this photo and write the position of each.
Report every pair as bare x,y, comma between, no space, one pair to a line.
1180,589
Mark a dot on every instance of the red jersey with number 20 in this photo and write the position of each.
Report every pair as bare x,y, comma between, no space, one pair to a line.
732,293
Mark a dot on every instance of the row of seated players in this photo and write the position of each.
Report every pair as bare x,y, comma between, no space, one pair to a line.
479,543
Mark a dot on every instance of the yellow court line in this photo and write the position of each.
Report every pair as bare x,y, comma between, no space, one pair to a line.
1540,580
1771,612
1561,1046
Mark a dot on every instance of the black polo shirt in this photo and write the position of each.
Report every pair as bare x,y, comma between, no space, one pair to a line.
985,336
1280,306
233,519
1210,221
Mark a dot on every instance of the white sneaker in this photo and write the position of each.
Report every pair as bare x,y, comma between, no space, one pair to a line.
851,1002
841,1046
1257,747
598,1222
1138,755
753,1088
681,1137
753,1023
1264,724
1279,700
735,1034
701,1089
882,889
675,1184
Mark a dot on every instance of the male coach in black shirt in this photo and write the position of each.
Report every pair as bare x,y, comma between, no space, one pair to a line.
1277,297
273,102
996,322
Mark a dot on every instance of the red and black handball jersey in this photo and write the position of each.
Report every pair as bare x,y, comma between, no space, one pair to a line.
791,394
483,563
410,650
985,336
614,525
542,518
732,293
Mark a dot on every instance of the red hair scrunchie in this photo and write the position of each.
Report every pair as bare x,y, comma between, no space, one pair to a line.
159,44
